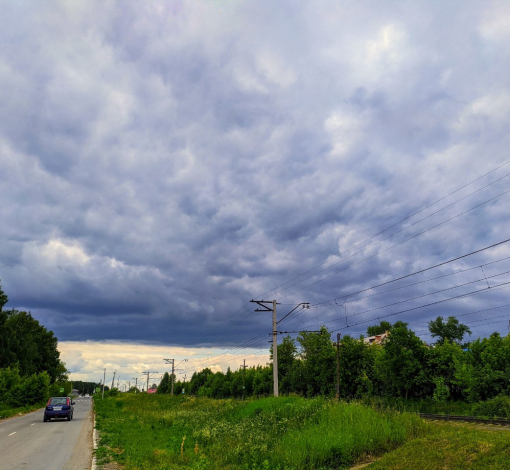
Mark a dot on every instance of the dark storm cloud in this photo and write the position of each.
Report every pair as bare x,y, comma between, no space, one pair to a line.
164,163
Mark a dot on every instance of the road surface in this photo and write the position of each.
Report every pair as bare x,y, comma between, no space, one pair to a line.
29,444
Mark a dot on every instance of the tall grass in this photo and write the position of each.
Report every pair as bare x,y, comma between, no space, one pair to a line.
161,432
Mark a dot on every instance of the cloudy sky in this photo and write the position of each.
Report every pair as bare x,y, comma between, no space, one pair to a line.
165,162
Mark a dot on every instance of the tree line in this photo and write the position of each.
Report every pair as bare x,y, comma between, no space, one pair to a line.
30,365
402,366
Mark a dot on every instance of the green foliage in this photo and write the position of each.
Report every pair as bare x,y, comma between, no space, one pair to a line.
87,387
357,374
498,407
56,386
379,329
162,432
28,344
318,356
452,330
164,386
17,391
450,446
3,297
400,366
485,370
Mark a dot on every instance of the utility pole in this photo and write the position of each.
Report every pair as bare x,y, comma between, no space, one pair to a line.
148,377
265,308
244,374
104,378
337,366
172,361
118,380
113,381
136,384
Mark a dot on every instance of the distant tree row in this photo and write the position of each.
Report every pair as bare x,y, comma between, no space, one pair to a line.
88,387
402,366
30,365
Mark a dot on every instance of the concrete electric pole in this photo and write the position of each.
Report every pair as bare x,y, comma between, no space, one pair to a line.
265,308
172,361
148,377
113,380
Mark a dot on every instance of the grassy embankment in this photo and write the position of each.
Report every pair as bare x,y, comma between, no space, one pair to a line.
7,412
161,432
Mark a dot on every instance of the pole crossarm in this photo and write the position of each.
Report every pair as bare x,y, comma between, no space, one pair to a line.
261,303
304,304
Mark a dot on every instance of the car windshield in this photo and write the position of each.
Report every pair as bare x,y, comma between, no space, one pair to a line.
58,401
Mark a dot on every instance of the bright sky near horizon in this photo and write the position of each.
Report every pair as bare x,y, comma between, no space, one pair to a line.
165,162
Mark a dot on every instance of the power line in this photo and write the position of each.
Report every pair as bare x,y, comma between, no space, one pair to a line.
419,271
393,246
394,225
233,315
480,291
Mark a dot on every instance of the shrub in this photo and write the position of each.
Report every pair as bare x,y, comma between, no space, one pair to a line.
498,407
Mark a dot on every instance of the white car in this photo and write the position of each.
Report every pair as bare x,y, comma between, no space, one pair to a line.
87,395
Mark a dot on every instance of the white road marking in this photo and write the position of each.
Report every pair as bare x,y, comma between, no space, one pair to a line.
12,433
33,424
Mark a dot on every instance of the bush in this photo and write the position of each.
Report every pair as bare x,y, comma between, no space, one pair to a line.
498,407
9,380
29,390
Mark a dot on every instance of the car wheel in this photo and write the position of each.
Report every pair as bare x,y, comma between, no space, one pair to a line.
45,419
69,418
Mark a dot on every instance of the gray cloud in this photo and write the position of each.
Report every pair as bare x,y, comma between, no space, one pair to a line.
162,164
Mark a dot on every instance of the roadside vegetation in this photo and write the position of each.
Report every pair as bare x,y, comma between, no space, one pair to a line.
154,432
401,372
451,446
30,367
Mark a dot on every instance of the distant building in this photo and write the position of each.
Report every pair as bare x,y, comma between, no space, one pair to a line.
377,339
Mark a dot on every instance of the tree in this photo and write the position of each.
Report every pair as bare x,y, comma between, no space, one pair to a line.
379,329
401,365
198,380
318,356
452,330
443,362
3,297
357,367
287,352
484,372
164,385
30,345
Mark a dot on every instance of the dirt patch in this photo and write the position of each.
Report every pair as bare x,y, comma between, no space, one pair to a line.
364,464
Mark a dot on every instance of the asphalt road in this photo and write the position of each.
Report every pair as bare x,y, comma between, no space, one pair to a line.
29,444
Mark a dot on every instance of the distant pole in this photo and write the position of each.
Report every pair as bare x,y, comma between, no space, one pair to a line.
338,366
113,381
136,384
148,377
173,371
172,361
104,378
244,374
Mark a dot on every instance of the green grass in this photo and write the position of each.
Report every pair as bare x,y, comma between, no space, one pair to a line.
6,412
451,446
159,432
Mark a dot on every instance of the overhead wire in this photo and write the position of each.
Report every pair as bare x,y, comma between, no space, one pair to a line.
370,238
